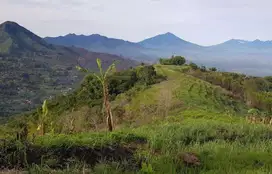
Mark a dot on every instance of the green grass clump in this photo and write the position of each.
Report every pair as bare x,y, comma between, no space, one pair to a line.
221,147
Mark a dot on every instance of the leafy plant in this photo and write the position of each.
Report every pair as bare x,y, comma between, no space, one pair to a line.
103,77
147,168
253,111
174,60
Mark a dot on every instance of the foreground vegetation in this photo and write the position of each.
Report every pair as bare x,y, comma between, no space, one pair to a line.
169,119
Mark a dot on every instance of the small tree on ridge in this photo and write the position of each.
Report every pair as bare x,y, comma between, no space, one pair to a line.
103,78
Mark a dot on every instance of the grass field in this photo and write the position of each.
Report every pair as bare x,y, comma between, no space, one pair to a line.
180,115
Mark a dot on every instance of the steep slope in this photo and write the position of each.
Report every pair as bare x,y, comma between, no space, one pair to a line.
32,69
103,44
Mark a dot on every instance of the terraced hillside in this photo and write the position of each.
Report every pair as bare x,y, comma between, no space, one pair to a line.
180,125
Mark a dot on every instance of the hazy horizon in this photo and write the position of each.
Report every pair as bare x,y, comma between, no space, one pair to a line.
204,23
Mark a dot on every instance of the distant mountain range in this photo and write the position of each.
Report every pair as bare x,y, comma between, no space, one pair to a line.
146,50
250,57
32,69
103,44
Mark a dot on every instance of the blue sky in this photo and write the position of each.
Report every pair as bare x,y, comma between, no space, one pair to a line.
204,22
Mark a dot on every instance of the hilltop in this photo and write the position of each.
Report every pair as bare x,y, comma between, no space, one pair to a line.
183,111
32,69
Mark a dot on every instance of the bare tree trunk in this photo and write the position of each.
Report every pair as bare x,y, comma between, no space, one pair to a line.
72,126
109,121
108,108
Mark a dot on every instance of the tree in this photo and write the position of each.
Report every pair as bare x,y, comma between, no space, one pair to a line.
174,60
103,78
147,75
178,60
164,61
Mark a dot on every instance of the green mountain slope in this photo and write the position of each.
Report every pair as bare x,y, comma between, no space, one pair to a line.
15,39
31,69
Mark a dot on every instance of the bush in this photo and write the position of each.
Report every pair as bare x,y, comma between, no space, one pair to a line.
175,60
146,75
203,69
193,66
213,69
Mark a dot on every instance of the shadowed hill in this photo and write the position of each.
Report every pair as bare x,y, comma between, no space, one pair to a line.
32,69
15,39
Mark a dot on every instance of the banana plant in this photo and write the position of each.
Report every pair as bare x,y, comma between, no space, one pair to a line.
103,77
43,117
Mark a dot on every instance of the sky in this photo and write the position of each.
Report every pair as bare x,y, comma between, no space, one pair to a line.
205,22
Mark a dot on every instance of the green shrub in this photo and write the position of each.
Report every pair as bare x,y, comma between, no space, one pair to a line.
193,66
175,60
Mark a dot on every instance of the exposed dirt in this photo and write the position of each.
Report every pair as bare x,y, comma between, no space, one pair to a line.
190,159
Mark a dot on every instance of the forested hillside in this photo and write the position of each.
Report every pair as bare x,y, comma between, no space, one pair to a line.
32,70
